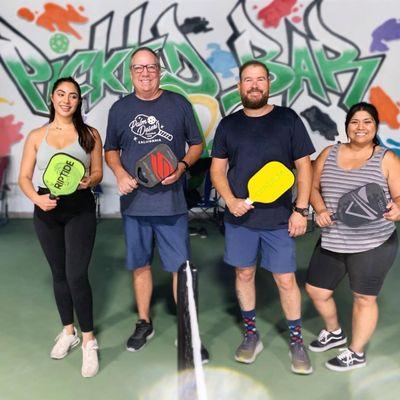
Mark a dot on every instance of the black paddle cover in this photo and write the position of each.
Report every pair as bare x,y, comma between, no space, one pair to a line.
155,166
362,205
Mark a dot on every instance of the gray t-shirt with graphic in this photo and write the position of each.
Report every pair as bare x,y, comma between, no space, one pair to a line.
135,127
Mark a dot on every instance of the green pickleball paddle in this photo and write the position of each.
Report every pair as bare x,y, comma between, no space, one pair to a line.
63,174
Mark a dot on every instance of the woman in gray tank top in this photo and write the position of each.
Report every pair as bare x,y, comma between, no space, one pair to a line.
66,226
365,252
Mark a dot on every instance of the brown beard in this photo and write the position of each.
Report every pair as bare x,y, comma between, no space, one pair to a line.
254,104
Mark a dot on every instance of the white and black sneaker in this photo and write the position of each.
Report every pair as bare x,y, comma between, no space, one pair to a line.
327,340
346,361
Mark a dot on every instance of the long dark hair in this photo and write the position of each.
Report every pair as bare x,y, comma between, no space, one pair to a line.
85,132
371,110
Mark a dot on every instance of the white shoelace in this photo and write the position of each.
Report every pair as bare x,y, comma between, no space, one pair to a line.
323,336
346,356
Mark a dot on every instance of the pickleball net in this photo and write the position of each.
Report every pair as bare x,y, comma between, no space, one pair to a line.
191,382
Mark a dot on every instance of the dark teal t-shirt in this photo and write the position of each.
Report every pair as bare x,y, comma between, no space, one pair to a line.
135,127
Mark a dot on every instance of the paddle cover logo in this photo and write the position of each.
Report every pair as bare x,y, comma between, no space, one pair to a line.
63,174
362,205
155,166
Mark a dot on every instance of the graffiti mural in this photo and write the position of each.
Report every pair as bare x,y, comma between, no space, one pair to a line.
317,68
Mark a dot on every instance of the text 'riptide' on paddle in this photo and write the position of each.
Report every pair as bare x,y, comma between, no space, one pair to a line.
361,206
155,166
63,175
269,183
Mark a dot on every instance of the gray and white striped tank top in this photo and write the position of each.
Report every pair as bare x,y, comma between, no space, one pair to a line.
335,182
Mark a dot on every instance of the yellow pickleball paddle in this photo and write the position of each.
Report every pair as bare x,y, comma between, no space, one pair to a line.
269,183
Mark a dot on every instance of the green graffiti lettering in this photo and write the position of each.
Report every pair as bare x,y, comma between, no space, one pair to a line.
230,100
363,72
79,64
102,74
26,82
305,70
182,56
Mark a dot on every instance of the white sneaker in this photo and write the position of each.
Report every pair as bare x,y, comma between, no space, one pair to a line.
64,343
90,359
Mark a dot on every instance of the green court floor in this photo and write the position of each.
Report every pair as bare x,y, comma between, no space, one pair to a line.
29,324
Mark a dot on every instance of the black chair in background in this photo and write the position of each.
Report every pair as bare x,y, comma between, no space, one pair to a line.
201,197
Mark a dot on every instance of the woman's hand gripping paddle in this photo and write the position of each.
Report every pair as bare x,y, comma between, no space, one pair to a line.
269,183
63,175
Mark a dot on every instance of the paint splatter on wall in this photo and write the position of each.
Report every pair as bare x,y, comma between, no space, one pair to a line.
388,31
275,12
9,134
56,18
195,25
320,122
387,108
221,61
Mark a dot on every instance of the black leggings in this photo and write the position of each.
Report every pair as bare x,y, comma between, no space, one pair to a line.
67,235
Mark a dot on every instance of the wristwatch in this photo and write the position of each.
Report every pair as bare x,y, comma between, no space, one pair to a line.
302,211
185,164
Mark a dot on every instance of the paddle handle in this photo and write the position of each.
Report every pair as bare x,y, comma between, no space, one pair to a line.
248,201
52,197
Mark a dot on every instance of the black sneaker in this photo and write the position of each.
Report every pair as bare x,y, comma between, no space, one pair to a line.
327,340
193,231
203,233
205,355
346,361
143,333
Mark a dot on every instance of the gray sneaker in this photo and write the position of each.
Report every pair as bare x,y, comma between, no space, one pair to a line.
301,363
249,349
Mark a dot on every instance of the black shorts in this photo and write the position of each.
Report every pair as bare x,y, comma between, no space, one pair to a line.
367,270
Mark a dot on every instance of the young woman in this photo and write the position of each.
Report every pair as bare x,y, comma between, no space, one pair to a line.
66,226
366,252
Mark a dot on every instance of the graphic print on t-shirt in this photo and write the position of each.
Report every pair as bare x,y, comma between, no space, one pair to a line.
148,128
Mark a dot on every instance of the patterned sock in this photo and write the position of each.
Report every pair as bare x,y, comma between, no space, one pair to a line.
249,321
295,331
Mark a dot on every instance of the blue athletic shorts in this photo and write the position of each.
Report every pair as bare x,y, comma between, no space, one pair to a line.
169,233
276,248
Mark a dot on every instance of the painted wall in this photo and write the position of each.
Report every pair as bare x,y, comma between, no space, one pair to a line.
324,56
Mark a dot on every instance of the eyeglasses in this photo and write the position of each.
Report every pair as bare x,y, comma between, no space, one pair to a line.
139,68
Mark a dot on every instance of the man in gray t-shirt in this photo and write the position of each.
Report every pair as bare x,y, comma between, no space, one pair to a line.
136,124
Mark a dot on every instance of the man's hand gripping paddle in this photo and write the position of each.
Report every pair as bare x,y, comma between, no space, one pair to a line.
269,183
155,166
63,175
360,206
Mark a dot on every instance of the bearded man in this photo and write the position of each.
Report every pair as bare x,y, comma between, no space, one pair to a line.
243,143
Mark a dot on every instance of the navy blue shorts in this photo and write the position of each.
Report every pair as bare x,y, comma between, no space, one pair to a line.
243,245
170,234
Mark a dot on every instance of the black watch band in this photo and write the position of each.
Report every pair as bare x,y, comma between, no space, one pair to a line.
185,164
302,211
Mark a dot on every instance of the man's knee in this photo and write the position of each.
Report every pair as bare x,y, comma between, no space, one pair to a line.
286,282
245,275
